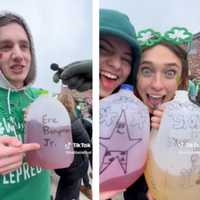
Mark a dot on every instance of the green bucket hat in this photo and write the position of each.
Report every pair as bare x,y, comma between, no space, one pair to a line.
115,23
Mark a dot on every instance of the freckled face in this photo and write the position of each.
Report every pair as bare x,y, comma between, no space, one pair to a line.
158,76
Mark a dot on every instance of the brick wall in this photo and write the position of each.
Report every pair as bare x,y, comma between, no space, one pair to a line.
194,57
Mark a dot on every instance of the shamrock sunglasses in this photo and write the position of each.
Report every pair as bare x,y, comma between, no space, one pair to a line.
176,36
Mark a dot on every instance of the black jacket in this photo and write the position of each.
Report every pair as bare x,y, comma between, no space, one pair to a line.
80,163
137,191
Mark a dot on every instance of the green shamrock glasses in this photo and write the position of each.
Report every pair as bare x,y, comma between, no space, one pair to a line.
176,36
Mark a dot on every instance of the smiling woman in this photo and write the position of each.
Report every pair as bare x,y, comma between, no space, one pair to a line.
163,67
158,75
119,51
119,56
115,63
162,70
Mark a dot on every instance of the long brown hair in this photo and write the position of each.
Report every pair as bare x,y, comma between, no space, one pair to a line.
181,53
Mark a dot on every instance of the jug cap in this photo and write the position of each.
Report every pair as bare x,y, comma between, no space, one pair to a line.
127,87
181,95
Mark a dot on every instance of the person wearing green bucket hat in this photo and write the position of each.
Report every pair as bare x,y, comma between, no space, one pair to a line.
119,51
114,27
119,57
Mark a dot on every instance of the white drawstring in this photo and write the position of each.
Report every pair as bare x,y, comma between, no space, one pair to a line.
31,98
8,101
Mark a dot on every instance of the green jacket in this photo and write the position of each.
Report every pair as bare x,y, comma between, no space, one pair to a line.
192,89
26,183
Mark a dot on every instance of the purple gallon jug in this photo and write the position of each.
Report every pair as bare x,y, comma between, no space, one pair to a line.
48,124
124,136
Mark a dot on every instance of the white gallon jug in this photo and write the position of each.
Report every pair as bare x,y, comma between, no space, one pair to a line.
173,166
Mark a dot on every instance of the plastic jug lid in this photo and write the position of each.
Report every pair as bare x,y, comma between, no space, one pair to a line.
181,95
126,87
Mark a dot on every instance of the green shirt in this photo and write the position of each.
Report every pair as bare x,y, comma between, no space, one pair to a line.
26,183
192,89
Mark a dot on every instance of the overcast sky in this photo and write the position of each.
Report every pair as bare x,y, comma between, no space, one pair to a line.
159,14
61,29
